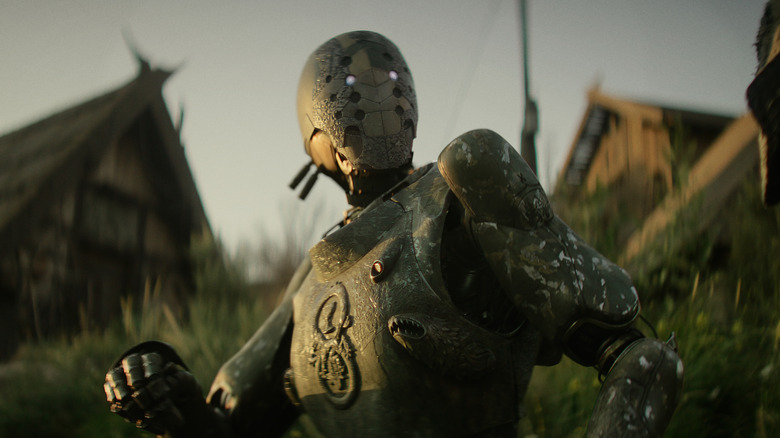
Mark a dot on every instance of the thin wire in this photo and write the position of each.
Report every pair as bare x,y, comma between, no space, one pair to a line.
479,49
655,334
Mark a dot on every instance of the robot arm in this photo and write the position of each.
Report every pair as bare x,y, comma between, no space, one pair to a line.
151,386
250,387
573,295
640,392
560,283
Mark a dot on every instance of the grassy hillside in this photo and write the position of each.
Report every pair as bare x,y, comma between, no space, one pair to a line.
720,293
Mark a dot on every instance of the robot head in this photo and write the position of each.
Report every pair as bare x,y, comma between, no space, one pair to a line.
358,113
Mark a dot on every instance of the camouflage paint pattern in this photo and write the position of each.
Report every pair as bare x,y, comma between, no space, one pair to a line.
556,279
640,394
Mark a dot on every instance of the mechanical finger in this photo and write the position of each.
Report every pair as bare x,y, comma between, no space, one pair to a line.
153,364
160,414
154,392
119,395
116,386
133,366
109,390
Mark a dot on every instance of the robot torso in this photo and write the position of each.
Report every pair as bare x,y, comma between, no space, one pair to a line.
380,349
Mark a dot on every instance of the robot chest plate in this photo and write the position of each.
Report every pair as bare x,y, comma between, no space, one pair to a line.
377,351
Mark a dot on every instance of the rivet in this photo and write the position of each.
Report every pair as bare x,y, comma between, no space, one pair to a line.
377,271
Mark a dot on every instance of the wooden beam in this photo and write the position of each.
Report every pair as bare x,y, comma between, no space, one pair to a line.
714,177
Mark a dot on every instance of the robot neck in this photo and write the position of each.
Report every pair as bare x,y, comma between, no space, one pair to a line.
367,185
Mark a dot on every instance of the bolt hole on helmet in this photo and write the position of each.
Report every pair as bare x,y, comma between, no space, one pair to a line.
357,111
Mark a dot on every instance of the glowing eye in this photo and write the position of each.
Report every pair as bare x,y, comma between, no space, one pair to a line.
393,75
351,80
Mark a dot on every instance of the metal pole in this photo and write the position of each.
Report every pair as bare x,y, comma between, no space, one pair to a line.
531,116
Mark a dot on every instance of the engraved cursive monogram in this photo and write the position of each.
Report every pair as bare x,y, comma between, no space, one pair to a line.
331,353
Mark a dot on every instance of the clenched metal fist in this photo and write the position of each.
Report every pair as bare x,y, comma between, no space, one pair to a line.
151,387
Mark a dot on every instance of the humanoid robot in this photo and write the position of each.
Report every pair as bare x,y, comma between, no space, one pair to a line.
424,314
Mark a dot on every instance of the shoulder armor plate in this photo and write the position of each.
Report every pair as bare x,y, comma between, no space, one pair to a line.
554,277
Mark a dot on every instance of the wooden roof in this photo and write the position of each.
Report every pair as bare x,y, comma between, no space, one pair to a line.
594,123
40,161
729,153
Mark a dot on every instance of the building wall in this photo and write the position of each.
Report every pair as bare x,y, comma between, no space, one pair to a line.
38,281
102,239
633,151
135,240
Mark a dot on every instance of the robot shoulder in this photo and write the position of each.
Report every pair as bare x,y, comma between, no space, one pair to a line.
493,182
551,274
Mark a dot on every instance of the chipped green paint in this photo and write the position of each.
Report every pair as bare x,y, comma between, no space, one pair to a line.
538,258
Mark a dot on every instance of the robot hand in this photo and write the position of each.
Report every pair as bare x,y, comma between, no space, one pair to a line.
151,387
641,391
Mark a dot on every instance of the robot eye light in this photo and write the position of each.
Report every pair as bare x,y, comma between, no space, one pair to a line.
393,75
350,80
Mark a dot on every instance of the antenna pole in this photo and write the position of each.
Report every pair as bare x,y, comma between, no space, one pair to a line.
531,116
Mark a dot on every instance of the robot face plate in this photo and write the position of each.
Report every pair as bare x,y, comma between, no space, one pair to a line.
357,89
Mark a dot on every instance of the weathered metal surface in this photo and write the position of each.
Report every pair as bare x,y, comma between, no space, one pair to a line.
551,273
379,348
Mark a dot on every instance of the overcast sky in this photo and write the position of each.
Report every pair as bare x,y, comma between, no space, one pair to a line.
238,64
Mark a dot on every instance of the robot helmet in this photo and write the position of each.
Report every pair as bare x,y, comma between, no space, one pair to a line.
357,89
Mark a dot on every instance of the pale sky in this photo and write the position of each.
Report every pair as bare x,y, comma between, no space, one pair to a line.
239,61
